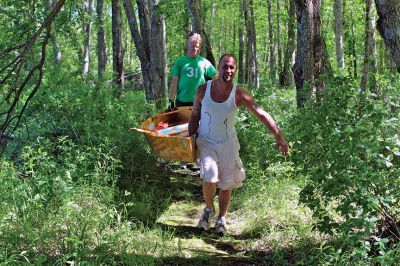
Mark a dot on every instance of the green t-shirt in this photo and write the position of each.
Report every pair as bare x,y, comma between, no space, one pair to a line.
192,73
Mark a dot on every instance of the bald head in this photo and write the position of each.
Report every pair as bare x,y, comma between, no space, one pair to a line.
227,56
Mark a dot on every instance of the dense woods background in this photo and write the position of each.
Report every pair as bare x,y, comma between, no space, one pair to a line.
77,186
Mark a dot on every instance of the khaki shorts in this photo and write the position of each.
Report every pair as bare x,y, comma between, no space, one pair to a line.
220,163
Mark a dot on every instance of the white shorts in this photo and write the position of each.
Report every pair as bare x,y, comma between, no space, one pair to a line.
220,163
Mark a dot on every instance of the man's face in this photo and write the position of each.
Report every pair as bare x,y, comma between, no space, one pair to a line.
227,68
193,48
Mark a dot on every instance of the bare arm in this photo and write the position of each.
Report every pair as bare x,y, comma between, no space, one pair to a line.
243,97
195,116
173,87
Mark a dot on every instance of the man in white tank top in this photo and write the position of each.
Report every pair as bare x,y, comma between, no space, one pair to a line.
213,119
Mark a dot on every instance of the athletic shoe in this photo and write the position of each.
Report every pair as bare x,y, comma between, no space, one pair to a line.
220,226
205,219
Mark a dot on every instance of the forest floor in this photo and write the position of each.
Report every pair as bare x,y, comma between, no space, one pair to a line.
199,247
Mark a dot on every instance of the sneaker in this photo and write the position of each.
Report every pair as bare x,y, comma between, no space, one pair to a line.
205,219
220,226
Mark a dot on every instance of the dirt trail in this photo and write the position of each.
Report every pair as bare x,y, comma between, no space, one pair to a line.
197,246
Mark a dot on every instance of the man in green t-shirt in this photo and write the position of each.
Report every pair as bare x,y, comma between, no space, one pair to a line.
188,73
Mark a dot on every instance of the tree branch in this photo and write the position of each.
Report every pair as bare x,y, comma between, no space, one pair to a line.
19,63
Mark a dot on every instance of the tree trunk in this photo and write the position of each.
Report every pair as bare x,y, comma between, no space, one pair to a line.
390,63
247,56
278,35
88,27
255,77
241,59
353,47
158,56
212,14
311,58
272,58
338,13
118,53
388,26
197,26
241,63
101,40
150,45
252,74
349,36
142,48
287,78
265,57
369,68
125,47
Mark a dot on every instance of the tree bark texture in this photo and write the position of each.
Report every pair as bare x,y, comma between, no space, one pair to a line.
118,53
287,78
311,57
194,7
101,40
369,68
272,56
241,60
338,13
141,44
252,67
158,56
86,45
278,34
212,14
353,47
388,26
150,43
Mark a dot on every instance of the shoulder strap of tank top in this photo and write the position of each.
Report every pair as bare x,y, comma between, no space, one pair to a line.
208,89
233,94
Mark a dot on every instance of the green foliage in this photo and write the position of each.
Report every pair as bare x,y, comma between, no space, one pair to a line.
76,186
257,143
59,205
62,193
56,187
349,149
91,115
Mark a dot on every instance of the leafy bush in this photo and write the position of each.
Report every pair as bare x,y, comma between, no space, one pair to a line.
60,204
257,143
49,177
90,115
350,151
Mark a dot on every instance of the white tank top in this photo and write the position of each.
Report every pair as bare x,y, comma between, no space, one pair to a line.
217,122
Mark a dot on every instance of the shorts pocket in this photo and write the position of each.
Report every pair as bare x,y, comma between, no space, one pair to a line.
239,171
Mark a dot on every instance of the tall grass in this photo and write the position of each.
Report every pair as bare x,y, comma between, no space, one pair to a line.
62,204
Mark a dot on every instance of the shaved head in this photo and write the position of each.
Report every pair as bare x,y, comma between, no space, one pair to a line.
228,56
